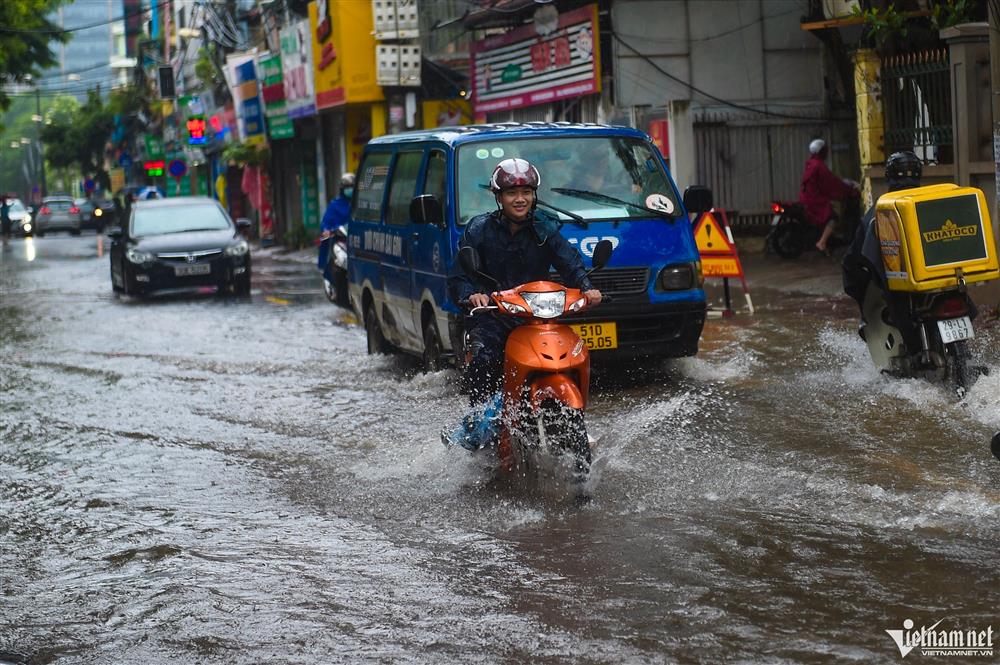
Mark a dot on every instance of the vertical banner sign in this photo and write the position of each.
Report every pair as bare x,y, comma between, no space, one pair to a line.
297,68
310,186
343,51
246,94
523,68
279,126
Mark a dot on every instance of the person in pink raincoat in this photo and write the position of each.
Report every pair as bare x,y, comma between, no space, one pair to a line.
819,187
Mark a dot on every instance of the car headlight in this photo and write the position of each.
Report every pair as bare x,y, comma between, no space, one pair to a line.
546,305
135,256
239,249
27,227
98,212
676,278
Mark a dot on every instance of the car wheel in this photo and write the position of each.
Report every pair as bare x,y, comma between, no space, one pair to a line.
432,348
376,340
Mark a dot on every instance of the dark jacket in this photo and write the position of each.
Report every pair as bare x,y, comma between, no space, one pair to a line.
526,256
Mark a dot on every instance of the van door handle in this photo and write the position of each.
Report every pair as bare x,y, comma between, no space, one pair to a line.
415,236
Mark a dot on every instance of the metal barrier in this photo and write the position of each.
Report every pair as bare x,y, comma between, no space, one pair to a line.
916,93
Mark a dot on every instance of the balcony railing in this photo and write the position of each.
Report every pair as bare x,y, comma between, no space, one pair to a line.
916,90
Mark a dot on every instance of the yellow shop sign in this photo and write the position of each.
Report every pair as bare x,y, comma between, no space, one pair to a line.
343,49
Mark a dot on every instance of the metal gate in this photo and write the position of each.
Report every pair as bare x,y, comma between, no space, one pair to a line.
749,163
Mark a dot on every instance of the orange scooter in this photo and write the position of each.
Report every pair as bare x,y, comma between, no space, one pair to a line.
546,370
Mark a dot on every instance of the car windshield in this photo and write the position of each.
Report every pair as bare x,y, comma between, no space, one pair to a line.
158,219
594,177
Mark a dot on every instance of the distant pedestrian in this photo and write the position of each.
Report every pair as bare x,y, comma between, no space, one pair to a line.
5,220
819,187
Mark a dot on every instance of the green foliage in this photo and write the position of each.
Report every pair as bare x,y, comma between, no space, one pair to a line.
80,139
881,25
244,153
946,13
25,35
205,68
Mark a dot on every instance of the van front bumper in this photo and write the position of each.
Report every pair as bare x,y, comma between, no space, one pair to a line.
666,330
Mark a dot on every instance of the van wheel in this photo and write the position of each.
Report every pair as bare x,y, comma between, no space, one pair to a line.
376,340
432,348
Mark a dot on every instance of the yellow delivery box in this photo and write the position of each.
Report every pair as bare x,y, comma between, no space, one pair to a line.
932,236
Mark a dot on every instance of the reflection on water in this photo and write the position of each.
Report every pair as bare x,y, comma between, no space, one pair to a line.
29,248
218,481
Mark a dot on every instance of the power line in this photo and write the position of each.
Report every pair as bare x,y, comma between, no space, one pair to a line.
62,31
698,90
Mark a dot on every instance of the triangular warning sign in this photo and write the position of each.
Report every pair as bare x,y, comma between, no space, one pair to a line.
711,237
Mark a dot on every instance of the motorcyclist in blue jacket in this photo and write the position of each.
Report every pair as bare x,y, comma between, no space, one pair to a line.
516,244
336,214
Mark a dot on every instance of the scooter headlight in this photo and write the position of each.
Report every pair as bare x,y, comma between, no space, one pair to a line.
546,305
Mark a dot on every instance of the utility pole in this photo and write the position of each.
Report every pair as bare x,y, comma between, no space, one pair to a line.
38,138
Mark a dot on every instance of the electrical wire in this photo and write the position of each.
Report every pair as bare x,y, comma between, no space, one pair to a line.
62,31
693,88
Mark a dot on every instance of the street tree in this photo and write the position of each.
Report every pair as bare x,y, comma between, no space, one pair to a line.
81,139
26,34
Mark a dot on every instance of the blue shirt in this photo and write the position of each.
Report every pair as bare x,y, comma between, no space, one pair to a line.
526,256
337,213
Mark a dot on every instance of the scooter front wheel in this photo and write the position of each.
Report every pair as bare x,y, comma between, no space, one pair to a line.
563,431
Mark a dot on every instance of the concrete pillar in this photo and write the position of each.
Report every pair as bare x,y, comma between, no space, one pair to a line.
683,160
968,45
871,125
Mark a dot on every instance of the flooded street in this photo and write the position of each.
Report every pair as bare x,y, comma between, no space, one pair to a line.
210,480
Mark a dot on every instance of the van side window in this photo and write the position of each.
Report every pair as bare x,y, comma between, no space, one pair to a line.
370,187
404,183
434,181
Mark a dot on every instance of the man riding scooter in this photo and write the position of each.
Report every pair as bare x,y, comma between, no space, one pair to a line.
818,188
333,229
517,244
863,262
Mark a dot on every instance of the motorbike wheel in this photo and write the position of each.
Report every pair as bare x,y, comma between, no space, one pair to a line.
376,340
787,240
336,290
432,348
564,431
957,359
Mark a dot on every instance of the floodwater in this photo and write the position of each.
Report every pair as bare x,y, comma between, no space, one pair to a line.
204,480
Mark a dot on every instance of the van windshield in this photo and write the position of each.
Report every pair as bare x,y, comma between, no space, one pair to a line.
580,175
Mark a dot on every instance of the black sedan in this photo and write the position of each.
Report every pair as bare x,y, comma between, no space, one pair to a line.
179,243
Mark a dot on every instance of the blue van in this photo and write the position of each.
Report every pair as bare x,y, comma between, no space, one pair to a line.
416,191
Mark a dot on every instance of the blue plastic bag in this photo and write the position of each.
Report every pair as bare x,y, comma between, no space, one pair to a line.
478,429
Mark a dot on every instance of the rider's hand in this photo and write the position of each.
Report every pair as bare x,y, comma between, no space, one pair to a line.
479,300
325,234
593,296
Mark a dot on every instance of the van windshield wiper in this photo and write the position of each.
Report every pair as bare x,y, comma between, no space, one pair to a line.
572,215
609,200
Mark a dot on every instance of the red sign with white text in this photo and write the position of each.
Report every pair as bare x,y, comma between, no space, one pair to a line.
522,68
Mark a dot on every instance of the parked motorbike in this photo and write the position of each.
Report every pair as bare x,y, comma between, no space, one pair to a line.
791,234
546,372
334,248
923,249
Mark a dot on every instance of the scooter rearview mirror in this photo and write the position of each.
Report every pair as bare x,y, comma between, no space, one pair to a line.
602,254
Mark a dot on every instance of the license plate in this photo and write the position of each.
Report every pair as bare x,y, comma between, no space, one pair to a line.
598,336
196,269
955,330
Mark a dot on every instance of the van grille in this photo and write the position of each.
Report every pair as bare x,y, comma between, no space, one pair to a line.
617,281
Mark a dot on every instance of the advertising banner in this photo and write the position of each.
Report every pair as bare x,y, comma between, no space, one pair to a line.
343,49
524,68
297,70
279,126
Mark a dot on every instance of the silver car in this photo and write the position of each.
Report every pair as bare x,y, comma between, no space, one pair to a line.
58,213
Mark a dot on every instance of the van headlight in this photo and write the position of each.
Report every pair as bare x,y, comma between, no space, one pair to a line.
239,249
137,257
546,305
678,277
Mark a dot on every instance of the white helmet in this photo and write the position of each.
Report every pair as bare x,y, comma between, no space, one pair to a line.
816,146
347,180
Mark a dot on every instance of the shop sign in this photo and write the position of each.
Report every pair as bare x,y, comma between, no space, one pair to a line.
297,70
659,131
343,42
523,68
154,146
246,95
279,126
196,130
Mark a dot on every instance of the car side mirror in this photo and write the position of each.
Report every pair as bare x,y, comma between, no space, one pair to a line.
243,223
602,254
426,209
698,198
115,233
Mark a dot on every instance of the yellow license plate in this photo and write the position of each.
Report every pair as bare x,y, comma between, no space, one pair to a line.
598,336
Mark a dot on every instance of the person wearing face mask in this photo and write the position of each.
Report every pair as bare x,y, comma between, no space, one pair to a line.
516,244
336,215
